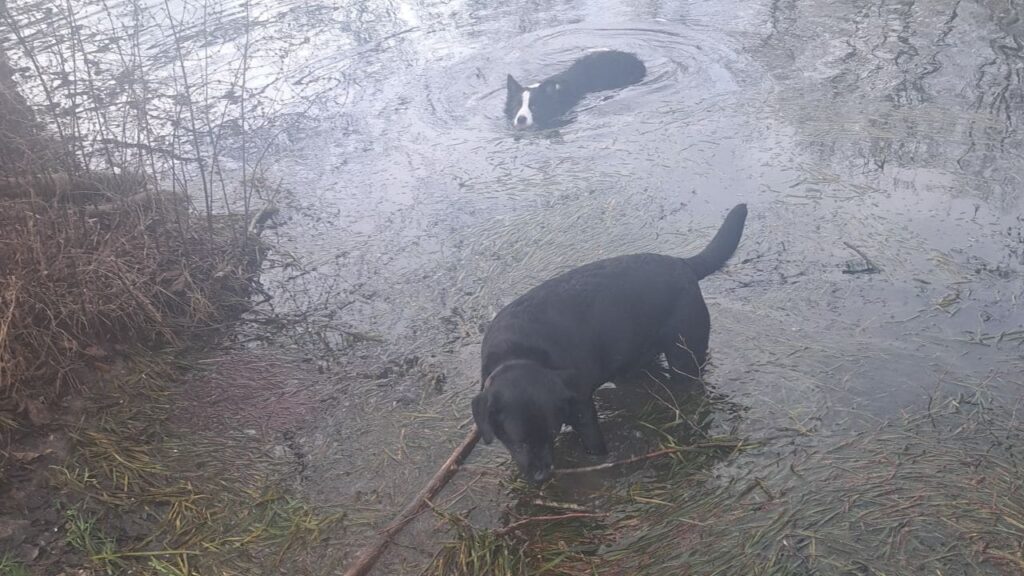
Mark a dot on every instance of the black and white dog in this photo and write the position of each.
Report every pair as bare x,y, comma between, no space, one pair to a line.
541,104
546,353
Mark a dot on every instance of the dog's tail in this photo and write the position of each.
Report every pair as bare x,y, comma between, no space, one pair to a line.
722,245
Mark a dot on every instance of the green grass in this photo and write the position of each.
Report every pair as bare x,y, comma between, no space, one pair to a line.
10,567
83,535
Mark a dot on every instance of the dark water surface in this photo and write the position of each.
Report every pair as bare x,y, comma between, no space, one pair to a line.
415,212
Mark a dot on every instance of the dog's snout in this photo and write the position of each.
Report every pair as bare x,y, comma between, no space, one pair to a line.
520,121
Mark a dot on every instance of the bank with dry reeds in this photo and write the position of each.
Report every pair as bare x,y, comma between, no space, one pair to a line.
90,266
97,261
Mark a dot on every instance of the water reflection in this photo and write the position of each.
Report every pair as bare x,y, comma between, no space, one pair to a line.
897,77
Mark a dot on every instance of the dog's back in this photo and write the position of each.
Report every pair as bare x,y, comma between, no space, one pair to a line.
607,311
603,70
603,316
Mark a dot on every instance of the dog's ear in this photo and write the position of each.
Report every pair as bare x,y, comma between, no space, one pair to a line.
482,416
513,86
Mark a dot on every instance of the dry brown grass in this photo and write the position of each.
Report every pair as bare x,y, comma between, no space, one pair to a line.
78,281
94,260
105,277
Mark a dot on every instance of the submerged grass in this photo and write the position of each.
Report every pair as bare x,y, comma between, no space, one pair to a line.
937,492
553,546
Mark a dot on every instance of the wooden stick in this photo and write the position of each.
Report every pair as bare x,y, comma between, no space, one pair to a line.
642,457
608,465
372,553
559,505
524,521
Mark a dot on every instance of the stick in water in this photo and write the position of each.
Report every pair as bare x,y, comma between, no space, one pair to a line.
608,465
372,553
533,519
649,456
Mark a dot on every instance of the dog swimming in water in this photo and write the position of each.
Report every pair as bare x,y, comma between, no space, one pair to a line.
543,103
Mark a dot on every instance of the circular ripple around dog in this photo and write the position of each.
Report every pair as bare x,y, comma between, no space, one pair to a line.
688,69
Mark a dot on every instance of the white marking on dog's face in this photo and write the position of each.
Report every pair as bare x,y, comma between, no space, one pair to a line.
524,117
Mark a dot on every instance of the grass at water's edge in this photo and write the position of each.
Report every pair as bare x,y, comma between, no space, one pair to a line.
941,491
139,495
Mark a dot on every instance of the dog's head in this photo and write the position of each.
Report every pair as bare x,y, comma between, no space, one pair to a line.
524,406
535,105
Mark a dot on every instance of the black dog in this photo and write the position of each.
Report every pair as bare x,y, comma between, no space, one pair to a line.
545,353
541,104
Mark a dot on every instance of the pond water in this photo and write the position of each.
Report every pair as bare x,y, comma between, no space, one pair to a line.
411,212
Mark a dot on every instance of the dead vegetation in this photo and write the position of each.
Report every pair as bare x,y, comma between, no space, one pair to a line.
79,282
122,242
102,245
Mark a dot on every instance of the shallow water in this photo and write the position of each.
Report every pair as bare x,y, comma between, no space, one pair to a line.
414,213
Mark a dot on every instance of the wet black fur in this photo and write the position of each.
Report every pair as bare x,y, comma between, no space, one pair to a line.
545,353
597,71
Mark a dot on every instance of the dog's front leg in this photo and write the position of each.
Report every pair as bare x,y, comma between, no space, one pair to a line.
586,425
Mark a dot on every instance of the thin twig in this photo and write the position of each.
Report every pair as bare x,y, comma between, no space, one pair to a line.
516,525
558,505
656,454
